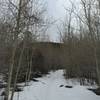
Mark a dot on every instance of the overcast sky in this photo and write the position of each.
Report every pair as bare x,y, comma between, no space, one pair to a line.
57,11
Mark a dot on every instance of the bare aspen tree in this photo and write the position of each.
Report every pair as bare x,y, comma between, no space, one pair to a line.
97,39
13,52
66,36
87,7
88,32
65,32
25,15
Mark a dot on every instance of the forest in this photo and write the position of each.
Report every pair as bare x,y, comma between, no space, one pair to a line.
27,51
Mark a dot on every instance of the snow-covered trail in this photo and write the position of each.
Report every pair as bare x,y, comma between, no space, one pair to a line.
48,88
